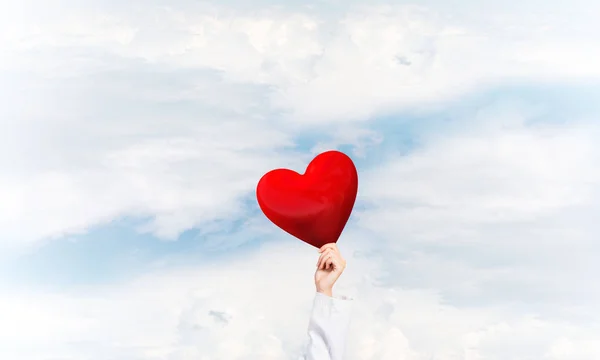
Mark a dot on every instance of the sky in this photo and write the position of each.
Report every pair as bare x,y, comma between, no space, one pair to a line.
133,134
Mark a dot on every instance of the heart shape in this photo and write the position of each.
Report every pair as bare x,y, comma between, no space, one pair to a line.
314,206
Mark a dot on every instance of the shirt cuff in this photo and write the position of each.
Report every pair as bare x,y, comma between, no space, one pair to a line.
333,305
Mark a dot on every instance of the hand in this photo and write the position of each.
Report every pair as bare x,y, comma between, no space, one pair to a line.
329,268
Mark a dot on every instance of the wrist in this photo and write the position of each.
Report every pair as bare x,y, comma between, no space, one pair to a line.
325,291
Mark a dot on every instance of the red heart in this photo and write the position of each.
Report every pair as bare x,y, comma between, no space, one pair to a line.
315,206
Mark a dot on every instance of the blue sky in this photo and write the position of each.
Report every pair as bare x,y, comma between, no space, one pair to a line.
134,135
109,251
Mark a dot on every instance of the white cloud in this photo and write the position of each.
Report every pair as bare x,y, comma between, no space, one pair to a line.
96,148
86,85
482,240
493,216
212,311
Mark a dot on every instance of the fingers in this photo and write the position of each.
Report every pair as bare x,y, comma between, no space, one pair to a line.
330,263
331,246
330,260
326,255
321,257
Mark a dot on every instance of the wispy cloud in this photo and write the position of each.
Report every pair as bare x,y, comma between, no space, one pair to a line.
474,125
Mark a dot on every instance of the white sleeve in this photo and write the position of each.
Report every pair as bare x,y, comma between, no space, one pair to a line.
327,328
